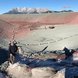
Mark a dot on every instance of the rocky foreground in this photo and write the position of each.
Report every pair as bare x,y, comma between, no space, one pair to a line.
39,68
23,71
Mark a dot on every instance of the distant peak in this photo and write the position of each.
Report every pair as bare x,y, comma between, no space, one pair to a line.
28,10
25,10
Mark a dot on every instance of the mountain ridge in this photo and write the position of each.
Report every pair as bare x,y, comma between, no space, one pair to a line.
33,11
28,10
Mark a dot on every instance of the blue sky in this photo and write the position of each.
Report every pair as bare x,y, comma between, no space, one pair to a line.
6,5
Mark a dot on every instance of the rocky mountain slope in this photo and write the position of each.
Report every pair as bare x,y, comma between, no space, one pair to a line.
28,10
33,11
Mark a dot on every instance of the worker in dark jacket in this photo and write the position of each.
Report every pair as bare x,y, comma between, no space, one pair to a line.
12,51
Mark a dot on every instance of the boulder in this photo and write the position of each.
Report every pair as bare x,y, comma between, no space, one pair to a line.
4,66
43,72
59,74
19,71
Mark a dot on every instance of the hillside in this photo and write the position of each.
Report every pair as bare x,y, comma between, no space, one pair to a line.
25,10
41,39
22,24
50,18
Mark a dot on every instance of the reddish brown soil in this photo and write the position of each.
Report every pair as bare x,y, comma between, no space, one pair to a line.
22,24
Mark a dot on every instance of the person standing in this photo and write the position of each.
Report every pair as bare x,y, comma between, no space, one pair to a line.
13,48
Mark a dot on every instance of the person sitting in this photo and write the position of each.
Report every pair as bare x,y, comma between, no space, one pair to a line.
67,52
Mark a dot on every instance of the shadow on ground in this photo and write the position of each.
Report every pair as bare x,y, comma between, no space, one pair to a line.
3,55
71,70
